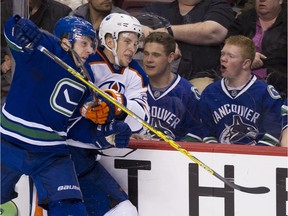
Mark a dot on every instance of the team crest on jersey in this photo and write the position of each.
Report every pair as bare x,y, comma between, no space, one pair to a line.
273,92
117,86
237,131
66,96
157,124
196,92
156,94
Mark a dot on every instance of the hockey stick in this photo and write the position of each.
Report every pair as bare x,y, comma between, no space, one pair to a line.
255,190
77,57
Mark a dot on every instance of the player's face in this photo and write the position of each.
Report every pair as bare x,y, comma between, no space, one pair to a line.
127,46
189,2
231,60
102,6
84,47
268,7
156,63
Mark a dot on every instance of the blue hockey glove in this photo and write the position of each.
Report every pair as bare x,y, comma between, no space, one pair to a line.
116,133
115,110
26,34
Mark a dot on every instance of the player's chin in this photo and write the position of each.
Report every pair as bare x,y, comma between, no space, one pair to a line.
224,73
149,71
83,60
127,61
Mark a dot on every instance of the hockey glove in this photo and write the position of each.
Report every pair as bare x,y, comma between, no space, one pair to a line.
27,34
116,133
98,113
119,114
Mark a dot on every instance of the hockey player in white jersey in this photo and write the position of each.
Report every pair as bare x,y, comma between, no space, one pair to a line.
239,109
42,99
119,75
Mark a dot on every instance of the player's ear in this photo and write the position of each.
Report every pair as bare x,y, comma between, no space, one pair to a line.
171,57
64,44
247,64
109,42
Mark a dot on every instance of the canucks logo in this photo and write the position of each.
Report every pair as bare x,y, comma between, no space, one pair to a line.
238,132
157,124
66,96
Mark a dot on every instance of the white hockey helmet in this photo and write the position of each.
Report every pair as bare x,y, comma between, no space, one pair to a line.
114,24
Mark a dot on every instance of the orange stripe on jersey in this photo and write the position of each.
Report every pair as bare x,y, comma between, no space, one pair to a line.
105,61
38,209
132,69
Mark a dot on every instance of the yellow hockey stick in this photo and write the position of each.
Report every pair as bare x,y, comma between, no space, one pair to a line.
255,190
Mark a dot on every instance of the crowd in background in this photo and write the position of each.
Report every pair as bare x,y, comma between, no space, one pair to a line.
215,72
198,28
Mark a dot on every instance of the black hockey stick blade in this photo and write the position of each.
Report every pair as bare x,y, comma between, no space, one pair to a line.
257,190
254,190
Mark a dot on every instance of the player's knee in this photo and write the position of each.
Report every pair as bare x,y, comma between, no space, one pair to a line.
125,208
69,207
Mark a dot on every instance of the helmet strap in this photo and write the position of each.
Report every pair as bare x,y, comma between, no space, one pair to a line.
114,51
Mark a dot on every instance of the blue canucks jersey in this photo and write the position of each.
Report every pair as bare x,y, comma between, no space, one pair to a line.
285,114
42,98
175,111
250,115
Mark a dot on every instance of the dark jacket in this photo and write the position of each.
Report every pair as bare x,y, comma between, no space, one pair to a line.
196,60
274,44
49,13
83,12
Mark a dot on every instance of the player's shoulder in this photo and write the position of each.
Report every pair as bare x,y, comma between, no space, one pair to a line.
183,87
266,90
134,65
96,57
183,83
212,90
215,86
136,68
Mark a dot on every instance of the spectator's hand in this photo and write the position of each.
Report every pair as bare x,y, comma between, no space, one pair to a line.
258,61
98,113
137,136
161,30
146,30
116,133
7,64
27,34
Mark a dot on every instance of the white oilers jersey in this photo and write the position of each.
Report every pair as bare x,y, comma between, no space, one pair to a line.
250,115
175,110
130,81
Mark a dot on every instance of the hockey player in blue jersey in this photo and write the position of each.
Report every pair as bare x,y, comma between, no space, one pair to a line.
239,109
173,101
119,75
42,99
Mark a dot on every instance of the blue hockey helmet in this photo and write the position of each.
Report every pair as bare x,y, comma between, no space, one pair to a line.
73,26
